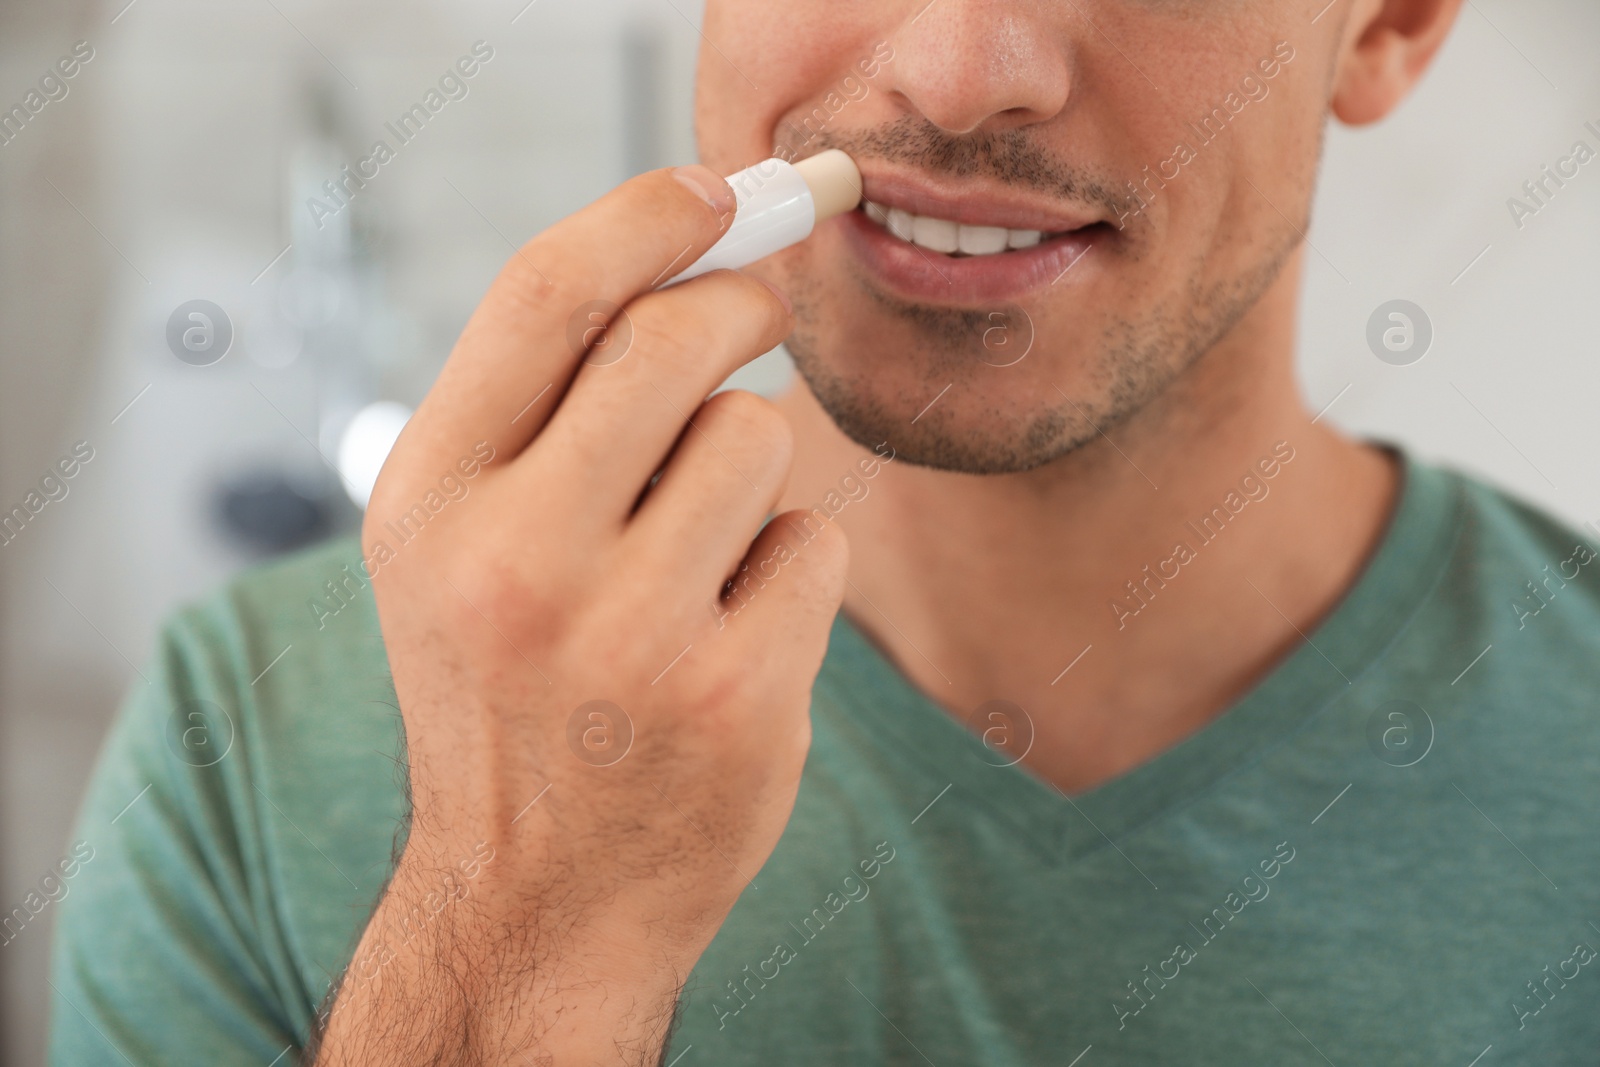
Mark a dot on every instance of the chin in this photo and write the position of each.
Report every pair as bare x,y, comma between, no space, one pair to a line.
966,381
931,390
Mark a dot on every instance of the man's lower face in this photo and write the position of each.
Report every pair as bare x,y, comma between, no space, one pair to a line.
1003,362
1022,275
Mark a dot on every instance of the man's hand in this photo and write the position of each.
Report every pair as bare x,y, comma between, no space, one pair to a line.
568,577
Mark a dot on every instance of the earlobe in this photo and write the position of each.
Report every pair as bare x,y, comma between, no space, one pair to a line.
1391,48
1372,78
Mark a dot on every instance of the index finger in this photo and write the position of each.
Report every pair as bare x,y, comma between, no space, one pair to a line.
516,347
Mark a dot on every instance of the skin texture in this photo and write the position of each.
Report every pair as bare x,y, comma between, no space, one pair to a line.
1159,373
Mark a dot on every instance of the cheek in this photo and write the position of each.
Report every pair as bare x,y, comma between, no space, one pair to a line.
760,62
732,106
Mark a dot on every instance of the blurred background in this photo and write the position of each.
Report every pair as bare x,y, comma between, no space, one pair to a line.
176,163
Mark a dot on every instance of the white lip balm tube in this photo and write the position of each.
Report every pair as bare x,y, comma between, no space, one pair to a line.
779,204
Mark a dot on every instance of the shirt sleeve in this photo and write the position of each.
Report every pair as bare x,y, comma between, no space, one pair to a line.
168,949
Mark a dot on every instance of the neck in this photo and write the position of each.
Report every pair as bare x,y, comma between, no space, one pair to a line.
1141,548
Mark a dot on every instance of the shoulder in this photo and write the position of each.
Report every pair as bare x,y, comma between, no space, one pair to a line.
251,787
1507,642
321,596
294,646
1522,563
295,655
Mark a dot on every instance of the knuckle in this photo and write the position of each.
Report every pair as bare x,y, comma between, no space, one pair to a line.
724,311
516,615
761,320
822,552
749,419
671,336
518,270
721,315
831,551
779,319
521,286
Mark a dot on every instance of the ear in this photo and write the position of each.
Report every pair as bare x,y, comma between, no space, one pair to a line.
1388,44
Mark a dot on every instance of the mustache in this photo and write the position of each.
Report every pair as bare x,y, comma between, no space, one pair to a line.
1012,157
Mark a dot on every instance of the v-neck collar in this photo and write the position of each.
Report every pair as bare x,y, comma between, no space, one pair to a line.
1397,580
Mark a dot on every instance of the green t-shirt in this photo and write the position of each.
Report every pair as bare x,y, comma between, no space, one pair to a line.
1385,853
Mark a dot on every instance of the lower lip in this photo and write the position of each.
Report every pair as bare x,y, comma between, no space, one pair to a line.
933,277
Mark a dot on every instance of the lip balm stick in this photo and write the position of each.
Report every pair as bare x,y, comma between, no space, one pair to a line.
779,204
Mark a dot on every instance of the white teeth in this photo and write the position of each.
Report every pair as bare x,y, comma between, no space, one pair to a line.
936,235
899,223
983,240
942,235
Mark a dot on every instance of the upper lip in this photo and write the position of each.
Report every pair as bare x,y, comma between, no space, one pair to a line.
971,202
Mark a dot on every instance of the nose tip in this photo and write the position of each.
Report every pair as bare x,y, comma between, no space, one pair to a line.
963,69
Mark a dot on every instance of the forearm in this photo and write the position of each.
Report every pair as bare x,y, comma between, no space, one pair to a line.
464,972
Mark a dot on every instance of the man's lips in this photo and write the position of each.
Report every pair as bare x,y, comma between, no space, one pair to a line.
918,274
975,205
924,263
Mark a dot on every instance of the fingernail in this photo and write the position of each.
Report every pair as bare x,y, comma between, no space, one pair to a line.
708,185
780,294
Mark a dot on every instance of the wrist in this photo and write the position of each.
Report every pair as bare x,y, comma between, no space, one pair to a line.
568,911
460,948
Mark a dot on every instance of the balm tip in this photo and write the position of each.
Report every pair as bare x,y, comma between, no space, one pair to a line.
834,181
